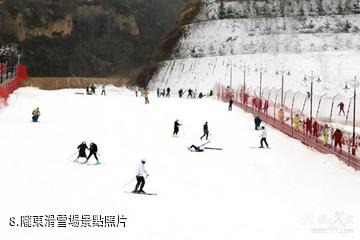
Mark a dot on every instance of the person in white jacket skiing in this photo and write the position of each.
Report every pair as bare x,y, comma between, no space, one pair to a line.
141,174
263,138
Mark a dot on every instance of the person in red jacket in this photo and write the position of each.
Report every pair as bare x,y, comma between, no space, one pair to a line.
337,138
308,126
259,104
315,128
254,102
266,106
246,97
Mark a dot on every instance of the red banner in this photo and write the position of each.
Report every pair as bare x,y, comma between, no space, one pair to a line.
8,88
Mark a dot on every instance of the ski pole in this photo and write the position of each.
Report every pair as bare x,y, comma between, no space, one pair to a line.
72,155
128,182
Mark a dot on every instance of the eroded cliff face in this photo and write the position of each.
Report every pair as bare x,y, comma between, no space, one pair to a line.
18,28
86,37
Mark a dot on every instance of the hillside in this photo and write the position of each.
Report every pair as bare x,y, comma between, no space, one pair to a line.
86,37
301,36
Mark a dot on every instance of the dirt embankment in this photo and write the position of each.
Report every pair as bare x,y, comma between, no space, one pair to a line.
54,83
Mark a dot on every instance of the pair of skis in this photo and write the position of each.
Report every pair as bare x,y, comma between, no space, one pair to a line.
141,193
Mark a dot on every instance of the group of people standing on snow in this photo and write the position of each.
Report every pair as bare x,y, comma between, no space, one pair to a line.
166,92
144,92
91,89
330,136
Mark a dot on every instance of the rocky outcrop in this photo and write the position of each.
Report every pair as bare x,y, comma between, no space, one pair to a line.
62,27
86,38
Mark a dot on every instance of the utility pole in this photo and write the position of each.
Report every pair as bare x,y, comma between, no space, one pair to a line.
311,77
261,70
355,84
282,72
245,68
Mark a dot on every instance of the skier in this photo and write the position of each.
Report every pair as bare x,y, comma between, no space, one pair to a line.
146,95
315,126
82,151
259,104
263,138
201,95
297,122
206,131
158,92
266,107
196,149
168,92
103,90
35,115
163,93
257,122
190,92
326,135
93,88
141,174
337,138
308,125
195,93
230,104
281,115
180,93
341,105
245,99
176,128
87,90
93,151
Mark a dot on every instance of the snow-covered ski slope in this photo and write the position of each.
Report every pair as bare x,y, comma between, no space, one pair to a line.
286,192
211,48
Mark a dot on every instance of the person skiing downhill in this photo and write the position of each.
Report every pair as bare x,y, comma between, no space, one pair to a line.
176,128
141,174
263,138
341,105
82,151
206,131
93,151
36,115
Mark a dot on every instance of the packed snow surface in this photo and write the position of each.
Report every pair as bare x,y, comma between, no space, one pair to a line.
242,192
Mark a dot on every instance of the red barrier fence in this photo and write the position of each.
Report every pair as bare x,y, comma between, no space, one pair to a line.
10,86
313,133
